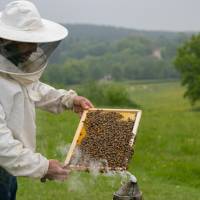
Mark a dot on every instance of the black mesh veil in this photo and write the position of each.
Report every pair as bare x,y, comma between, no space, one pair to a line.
24,58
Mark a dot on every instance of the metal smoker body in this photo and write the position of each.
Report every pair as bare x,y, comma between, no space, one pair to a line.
129,191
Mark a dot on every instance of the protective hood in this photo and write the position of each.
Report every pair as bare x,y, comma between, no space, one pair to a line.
24,62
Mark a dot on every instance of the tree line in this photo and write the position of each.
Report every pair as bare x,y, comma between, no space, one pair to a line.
105,53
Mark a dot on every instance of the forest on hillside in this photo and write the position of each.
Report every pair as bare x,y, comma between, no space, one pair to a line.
93,52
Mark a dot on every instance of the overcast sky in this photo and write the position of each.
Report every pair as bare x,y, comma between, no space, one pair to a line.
175,15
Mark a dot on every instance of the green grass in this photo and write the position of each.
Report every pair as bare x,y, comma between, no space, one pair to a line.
166,160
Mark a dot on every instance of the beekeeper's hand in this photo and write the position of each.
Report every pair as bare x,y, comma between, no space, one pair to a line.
56,171
80,104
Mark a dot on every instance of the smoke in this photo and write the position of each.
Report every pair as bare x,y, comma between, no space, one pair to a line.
62,149
77,157
76,184
96,168
127,176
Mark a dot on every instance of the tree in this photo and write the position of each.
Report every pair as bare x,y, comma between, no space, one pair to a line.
187,63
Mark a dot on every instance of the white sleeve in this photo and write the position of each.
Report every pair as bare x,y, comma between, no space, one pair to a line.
16,159
54,100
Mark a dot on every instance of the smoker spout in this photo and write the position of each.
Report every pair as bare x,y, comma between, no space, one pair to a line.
129,191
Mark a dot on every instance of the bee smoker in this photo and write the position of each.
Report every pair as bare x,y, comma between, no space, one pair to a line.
129,191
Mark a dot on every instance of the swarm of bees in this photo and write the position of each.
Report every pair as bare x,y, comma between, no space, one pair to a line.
108,139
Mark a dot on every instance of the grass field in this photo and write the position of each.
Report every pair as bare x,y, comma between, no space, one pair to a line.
166,160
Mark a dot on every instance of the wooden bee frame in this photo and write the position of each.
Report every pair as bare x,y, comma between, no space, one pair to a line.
81,133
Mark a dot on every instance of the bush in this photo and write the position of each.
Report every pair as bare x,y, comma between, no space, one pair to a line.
107,94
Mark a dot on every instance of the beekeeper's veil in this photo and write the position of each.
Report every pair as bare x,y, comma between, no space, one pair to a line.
26,41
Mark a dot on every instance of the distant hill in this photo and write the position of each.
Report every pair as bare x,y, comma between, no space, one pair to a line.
110,33
92,52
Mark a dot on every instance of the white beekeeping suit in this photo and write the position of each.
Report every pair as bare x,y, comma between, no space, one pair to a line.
20,88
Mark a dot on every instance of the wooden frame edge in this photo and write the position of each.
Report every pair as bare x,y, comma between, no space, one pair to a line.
77,133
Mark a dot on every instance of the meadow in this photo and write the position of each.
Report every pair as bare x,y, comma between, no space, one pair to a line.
166,161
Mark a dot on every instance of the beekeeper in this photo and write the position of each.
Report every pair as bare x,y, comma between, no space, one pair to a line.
26,42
